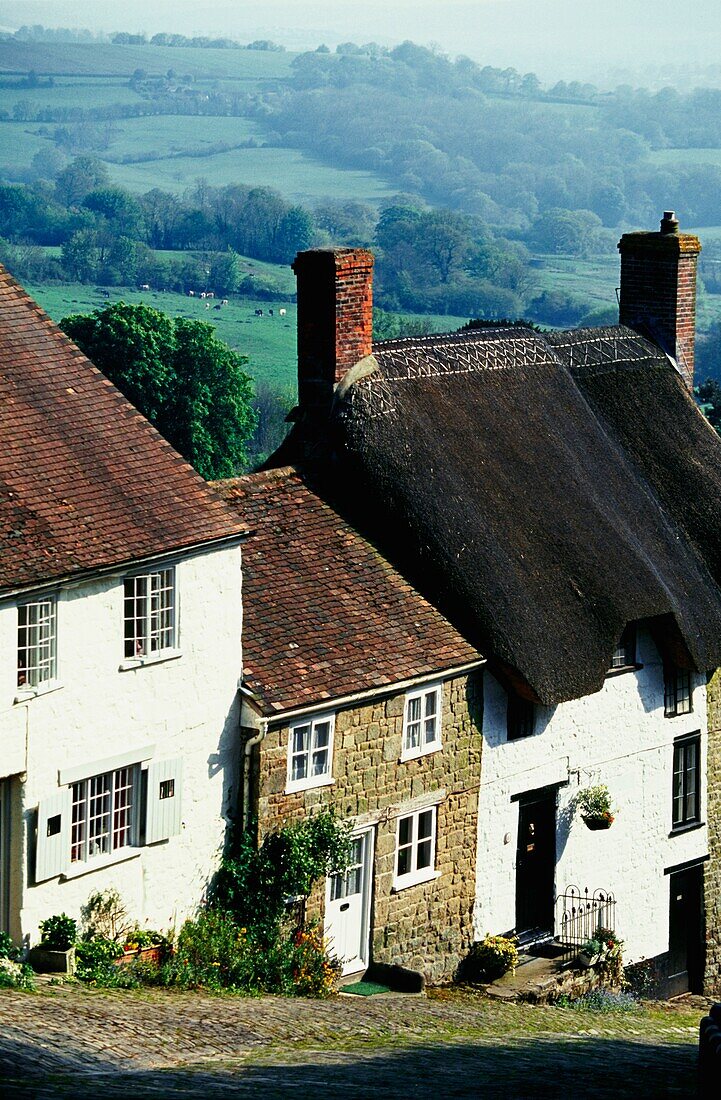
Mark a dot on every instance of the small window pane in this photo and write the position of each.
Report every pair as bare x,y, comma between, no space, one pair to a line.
424,855
431,703
301,738
425,824
320,762
405,830
414,709
322,734
404,861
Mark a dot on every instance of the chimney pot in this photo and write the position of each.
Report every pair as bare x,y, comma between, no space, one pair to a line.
669,222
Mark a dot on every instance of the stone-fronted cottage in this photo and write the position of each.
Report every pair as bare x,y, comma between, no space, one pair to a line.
360,696
556,497
120,619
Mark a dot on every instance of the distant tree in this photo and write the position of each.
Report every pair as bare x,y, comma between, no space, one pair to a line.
708,396
189,384
225,272
82,175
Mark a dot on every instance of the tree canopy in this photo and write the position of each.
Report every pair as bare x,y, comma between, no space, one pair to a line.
188,383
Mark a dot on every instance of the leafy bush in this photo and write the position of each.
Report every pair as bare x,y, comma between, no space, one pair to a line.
58,933
95,960
215,953
8,950
489,959
15,975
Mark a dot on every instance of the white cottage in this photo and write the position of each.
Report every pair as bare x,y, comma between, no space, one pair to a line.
555,495
120,626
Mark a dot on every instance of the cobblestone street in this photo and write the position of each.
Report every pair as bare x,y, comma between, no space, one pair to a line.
67,1042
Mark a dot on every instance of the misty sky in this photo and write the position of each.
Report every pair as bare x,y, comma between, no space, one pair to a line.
555,38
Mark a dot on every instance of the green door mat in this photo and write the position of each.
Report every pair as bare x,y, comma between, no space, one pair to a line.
365,989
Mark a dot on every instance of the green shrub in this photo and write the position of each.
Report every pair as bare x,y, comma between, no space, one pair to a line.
95,961
8,950
595,803
58,933
15,975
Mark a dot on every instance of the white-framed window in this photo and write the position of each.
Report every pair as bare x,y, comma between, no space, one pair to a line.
102,813
422,722
37,643
416,848
310,753
149,613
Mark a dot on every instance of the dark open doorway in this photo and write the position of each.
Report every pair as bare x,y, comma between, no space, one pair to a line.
685,931
536,862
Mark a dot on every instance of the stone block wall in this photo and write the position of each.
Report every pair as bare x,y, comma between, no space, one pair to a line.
712,876
429,926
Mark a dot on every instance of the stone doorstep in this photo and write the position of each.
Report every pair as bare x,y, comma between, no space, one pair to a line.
535,979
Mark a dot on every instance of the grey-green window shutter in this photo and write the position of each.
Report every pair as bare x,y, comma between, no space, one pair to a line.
164,802
52,850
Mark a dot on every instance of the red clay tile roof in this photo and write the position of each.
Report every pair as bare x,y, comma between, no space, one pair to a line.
324,615
85,481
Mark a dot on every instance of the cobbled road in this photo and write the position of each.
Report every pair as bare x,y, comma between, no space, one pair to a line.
69,1042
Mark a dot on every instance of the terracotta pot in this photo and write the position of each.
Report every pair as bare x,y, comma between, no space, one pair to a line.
142,954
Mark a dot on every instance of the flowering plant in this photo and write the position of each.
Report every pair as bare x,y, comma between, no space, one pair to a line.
595,805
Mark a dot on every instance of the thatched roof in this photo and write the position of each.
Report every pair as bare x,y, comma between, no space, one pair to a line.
542,491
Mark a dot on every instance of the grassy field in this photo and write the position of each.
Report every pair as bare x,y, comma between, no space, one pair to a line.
269,342
297,176
593,281
93,58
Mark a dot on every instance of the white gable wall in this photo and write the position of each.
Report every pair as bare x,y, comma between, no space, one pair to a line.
619,737
186,708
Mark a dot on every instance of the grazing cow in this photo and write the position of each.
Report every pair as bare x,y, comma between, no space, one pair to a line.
282,312
191,293
145,286
224,302
207,305
210,294
270,312
203,294
106,294
259,313
217,307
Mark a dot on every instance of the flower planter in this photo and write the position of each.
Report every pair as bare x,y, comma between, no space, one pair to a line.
45,960
152,955
597,823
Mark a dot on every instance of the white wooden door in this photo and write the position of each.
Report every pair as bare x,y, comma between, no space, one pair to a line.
4,855
347,907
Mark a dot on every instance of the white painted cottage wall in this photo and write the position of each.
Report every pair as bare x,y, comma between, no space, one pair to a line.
187,707
619,737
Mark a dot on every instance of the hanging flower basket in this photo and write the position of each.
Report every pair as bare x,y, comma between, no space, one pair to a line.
596,823
595,807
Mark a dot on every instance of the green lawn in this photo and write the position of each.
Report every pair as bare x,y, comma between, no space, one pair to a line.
72,92
594,281
164,135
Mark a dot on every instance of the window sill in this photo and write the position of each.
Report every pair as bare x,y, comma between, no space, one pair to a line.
309,784
417,754
623,669
153,659
24,695
678,714
414,880
689,827
100,863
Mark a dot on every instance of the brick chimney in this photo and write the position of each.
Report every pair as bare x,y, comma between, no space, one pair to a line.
658,289
335,318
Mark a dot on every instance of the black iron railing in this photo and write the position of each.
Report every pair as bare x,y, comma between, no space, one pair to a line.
579,913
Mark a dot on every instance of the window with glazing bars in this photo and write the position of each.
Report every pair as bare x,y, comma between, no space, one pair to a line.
37,638
310,751
686,787
422,721
416,846
149,613
624,655
520,717
677,691
102,820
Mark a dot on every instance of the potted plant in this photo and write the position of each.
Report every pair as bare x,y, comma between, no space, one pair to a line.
595,806
143,944
591,952
56,952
